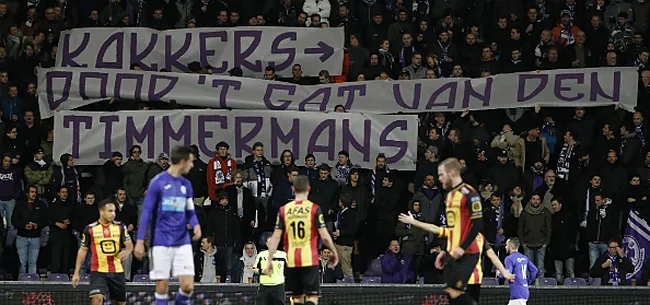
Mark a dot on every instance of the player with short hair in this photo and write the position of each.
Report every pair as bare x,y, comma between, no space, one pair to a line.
525,272
301,222
104,239
168,209
271,289
464,214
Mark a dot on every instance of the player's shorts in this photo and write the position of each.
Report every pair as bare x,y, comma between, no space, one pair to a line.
112,283
517,302
458,272
302,280
177,261
474,291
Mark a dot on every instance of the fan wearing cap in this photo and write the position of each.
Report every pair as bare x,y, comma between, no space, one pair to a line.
161,165
504,174
565,32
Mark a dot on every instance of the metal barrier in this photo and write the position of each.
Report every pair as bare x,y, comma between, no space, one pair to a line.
47,293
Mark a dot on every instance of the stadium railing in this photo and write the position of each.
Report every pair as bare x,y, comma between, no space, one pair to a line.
29,293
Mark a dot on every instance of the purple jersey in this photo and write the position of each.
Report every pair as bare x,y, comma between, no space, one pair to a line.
169,207
525,273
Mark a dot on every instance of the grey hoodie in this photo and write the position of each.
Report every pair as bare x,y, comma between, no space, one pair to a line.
209,270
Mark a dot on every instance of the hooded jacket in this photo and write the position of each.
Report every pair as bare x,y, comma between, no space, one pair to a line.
535,226
207,266
38,174
249,264
413,238
66,176
135,175
10,183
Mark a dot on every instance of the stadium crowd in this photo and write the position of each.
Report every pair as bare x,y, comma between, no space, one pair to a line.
563,180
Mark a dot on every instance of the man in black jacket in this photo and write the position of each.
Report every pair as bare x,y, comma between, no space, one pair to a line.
493,216
601,227
61,211
85,213
612,266
346,230
197,177
127,214
244,203
29,218
225,229
325,192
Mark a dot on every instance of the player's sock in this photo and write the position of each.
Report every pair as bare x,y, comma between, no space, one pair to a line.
183,298
161,299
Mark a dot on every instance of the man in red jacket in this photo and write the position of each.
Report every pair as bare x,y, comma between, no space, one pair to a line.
220,171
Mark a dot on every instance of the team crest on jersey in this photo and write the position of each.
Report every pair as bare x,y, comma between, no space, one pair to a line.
476,206
183,189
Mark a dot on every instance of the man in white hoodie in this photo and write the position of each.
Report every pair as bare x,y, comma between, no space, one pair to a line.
248,258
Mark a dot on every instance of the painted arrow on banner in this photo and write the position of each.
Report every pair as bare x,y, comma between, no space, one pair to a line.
326,50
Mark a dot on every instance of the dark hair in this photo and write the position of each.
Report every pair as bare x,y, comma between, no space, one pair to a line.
103,204
32,187
301,184
495,194
558,199
117,154
324,167
208,238
380,156
270,68
258,144
346,199
324,73
614,240
223,144
310,156
134,147
291,169
180,153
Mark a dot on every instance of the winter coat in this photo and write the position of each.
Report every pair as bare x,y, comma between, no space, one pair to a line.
396,268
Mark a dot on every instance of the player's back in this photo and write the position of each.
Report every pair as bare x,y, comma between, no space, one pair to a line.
463,204
300,221
519,265
171,198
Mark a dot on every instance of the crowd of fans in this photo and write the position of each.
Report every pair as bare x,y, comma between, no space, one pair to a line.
562,180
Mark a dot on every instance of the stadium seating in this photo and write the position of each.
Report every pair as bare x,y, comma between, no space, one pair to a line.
5,277
58,277
375,268
490,281
84,278
141,278
596,281
548,281
346,280
575,281
29,277
421,281
371,280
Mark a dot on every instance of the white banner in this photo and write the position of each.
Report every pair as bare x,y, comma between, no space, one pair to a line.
323,134
250,48
70,88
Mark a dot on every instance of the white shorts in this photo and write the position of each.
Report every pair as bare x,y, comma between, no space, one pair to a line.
175,260
517,302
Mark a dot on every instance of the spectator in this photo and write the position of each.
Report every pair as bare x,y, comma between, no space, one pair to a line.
206,272
13,107
126,212
345,232
310,169
504,174
612,266
548,190
415,69
160,166
113,174
284,193
67,176
630,145
248,258
430,199
395,265
47,145
601,226
427,167
246,209
60,212
378,173
38,173
197,178
85,213
493,216
535,228
135,175
563,239
383,216
325,191
328,271
30,131
614,176
413,239
12,144
321,8
287,161
10,189
258,180
30,217
225,229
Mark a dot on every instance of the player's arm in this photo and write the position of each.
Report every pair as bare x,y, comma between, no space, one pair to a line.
190,214
81,255
408,219
273,245
473,200
497,263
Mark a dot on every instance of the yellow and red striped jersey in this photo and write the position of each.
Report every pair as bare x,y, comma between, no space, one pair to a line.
300,221
463,206
105,243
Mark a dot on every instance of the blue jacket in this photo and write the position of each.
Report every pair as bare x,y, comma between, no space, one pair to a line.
395,268
12,106
282,194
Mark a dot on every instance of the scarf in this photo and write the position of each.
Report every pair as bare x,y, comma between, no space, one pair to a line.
538,176
499,213
240,200
444,50
342,171
516,208
639,64
534,210
564,161
258,165
338,217
219,177
402,58
373,182
541,8
614,274
639,133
